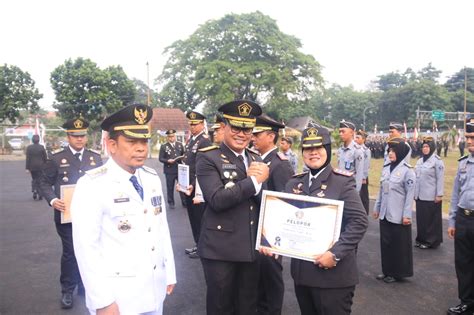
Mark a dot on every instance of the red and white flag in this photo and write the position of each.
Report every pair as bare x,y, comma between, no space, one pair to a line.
405,128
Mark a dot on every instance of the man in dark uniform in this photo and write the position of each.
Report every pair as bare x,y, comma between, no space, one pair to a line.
65,167
35,159
198,140
461,225
231,179
327,285
170,154
265,137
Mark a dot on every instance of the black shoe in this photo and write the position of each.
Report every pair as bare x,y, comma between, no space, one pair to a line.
190,250
81,291
193,255
380,276
423,246
389,279
40,197
459,309
66,300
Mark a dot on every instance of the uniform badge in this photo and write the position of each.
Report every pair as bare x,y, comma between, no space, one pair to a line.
124,226
321,194
65,179
63,161
298,189
92,161
229,185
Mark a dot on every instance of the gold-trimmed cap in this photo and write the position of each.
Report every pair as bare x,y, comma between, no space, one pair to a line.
170,132
396,125
266,123
241,113
470,124
195,117
427,139
315,136
76,126
131,121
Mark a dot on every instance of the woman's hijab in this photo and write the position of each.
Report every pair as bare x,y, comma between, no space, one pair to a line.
401,150
429,141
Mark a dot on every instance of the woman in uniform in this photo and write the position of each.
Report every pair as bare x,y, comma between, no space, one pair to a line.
428,196
393,209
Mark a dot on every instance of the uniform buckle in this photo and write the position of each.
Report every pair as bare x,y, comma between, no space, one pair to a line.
468,212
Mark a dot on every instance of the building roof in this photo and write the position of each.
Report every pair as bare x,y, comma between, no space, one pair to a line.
299,123
169,118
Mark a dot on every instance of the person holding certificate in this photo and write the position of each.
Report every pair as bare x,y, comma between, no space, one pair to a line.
231,178
65,167
393,208
327,284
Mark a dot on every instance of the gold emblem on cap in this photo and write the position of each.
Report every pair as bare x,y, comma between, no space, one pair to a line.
78,123
244,109
140,115
192,115
312,132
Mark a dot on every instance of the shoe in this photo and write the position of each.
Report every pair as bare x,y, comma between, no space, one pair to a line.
423,246
66,301
389,279
417,244
380,276
193,255
190,250
459,309
81,291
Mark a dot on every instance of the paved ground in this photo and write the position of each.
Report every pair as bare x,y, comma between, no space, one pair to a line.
30,254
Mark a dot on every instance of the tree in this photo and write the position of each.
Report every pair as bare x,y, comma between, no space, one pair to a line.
17,93
82,88
141,96
455,85
429,73
239,57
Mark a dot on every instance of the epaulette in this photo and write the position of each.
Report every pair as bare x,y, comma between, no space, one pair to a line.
94,151
205,136
253,151
438,157
149,170
282,156
386,165
57,151
300,174
409,166
463,157
98,171
342,172
209,148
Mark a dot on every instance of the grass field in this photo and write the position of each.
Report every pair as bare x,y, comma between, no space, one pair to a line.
450,163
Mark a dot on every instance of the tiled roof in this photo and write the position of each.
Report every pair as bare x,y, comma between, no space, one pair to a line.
169,118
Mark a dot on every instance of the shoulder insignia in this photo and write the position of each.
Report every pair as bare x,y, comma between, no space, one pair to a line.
94,151
342,172
409,166
438,157
386,165
253,151
205,136
98,171
209,148
58,151
149,170
463,158
300,174
282,156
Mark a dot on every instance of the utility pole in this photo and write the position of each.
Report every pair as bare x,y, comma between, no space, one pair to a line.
148,83
465,100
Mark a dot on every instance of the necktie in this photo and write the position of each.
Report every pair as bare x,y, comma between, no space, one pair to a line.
137,186
78,156
313,180
241,158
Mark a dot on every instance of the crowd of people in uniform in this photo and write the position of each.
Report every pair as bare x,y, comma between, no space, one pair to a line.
119,207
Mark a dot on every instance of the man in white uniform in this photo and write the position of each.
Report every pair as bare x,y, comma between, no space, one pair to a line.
121,236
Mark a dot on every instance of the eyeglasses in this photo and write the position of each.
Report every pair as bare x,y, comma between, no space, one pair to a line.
246,131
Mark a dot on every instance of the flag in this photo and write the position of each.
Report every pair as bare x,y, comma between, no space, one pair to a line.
375,128
415,134
405,128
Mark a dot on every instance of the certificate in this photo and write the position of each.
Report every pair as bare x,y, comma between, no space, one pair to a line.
183,177
298,226
66,195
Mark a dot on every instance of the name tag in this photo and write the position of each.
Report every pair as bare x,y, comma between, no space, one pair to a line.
120,200
229,166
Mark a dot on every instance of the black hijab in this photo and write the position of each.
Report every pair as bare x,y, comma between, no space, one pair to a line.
401,150
429,141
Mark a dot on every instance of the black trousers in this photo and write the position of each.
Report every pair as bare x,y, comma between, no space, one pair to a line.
35,178
171,180
70,277
231,287
195,212
464,256
271,287
324,301
364,195
429,223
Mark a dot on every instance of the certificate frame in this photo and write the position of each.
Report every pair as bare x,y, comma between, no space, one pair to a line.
183,177
67,192
298,226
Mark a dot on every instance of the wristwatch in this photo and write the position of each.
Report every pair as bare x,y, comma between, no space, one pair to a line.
336,260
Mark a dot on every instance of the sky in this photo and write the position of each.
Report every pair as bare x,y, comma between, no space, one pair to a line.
354,41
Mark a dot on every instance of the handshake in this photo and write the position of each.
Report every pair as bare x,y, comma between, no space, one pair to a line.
259,170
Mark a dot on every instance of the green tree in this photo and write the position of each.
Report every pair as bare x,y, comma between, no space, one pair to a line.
82,88
141,96
242,56
455,85
17,93
429,73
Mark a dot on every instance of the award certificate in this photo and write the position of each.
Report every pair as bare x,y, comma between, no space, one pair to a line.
298,226
183,177
66,195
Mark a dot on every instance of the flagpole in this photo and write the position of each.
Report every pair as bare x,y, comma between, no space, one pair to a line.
148,82
465,91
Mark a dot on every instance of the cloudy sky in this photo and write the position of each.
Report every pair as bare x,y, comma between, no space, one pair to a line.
355,41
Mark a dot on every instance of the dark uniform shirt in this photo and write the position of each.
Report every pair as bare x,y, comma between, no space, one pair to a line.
191,149
170,151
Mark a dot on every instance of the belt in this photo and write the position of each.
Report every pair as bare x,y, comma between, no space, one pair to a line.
467,212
